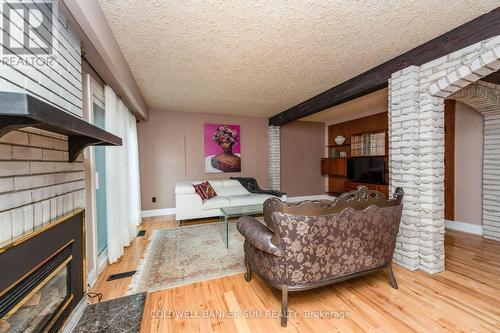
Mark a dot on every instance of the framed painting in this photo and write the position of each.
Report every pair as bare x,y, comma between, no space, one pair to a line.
222,148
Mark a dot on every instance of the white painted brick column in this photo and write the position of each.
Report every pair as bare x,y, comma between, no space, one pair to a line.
274,157
431,185
416,157
491,175
404,160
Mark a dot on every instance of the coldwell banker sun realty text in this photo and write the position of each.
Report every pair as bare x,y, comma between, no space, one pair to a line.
28,32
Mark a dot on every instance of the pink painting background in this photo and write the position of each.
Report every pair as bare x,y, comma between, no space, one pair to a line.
211,147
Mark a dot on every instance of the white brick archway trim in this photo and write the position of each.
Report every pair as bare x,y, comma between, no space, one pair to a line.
485,98
416,146
482,96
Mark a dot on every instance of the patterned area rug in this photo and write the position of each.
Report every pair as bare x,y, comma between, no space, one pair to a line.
183,255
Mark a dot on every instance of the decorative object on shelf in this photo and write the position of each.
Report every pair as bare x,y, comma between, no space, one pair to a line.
343,154
339,140
334,153
368,144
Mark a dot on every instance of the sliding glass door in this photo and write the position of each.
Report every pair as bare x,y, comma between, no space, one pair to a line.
100,192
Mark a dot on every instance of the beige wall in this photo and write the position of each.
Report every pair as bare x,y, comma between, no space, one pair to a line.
171,149
468,164
302,147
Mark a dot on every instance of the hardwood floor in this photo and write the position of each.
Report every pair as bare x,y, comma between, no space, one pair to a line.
129,261
464,298
132,256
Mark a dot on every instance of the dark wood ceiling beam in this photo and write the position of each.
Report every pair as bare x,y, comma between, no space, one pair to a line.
480,28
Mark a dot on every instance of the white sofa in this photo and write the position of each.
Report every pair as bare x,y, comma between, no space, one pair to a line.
188,204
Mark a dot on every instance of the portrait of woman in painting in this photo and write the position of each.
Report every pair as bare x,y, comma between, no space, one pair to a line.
226,139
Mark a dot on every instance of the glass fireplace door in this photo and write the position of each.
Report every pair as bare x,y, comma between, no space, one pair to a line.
39,308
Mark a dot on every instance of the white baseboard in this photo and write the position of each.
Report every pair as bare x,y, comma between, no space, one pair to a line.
464,227
102,261
75,316
158,212
171,211
92,278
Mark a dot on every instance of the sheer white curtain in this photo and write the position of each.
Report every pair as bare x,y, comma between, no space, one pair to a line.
122,177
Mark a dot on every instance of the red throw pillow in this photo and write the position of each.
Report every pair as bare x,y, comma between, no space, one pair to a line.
205,190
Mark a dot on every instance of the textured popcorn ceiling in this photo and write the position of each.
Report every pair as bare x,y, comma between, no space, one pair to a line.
259,58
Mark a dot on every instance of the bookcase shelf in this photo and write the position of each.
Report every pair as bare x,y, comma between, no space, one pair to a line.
344,145
336,168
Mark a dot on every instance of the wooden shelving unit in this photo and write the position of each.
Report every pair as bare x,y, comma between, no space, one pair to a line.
335,146
336,168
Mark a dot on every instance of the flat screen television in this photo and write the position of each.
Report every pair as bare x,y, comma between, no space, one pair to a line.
366,169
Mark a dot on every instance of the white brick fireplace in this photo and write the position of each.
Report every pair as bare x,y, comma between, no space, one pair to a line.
37,183
416,146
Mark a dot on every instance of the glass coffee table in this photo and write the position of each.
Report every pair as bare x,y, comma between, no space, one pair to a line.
228,213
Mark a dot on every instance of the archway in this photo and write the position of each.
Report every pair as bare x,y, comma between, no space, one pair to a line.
485,98
416,146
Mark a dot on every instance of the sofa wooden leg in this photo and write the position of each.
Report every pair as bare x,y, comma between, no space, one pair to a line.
390,275
284,305
248,274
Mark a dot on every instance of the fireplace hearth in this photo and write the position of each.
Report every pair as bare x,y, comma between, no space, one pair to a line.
43,279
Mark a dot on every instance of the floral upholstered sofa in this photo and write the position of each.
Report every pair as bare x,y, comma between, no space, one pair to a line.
315,243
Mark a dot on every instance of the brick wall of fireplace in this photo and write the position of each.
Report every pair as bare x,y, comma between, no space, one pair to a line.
37,184
59,83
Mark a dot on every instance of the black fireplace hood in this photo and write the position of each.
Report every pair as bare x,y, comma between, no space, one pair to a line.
19,110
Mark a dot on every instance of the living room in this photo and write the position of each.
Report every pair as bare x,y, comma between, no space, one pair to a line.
249,166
